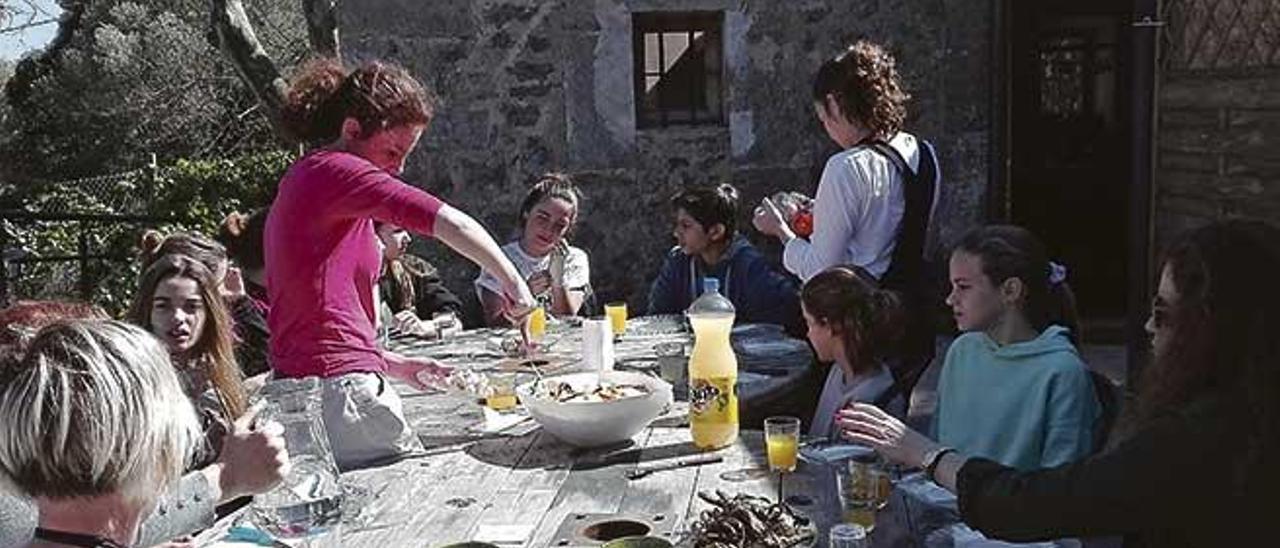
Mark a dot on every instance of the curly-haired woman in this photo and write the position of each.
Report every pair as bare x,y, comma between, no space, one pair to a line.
875,198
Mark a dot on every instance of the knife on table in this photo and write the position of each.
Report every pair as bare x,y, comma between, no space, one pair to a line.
644,470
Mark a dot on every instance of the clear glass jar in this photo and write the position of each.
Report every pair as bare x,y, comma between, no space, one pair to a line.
309,501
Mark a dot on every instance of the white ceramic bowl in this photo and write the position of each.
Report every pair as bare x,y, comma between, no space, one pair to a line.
594,424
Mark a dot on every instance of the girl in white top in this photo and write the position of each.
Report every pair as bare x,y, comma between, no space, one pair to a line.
852,322
858,208
558,274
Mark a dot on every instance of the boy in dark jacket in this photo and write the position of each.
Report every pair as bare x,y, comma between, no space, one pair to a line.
709,245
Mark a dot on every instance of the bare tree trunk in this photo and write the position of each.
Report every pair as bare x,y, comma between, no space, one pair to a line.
240,45
322,26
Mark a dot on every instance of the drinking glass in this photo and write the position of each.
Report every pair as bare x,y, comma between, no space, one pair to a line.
848,535
537,324
672,363
617,313
502,391
864,487
781,439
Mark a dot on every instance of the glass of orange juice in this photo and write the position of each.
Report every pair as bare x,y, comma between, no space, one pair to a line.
502,391
537,324
617,313
782,440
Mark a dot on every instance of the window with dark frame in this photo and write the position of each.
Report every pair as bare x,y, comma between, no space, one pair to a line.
678,68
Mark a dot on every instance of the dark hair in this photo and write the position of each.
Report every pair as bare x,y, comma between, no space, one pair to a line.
213,350
1224,328
24,318
865,85
1008,251
549,185
400,272
378,95
710,206
869,320
242,236
209,253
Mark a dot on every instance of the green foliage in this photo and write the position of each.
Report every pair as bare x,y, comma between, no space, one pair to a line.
138,78
190,195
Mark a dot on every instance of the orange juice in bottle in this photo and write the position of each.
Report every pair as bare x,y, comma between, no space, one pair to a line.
713,370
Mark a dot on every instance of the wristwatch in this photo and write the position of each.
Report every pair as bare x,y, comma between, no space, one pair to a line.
932,458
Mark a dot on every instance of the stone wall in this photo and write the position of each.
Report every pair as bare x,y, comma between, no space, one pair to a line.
1218,116
530,86
1216,150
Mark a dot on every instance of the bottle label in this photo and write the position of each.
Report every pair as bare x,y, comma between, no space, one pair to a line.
713,400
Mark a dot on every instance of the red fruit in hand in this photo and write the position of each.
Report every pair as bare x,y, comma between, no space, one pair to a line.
802,223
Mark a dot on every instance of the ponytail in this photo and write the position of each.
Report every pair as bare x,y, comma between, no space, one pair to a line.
1008,251
323,94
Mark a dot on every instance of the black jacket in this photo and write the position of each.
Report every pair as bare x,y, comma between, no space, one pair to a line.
1174,482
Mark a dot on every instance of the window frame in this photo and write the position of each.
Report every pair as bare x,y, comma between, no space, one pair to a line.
710,23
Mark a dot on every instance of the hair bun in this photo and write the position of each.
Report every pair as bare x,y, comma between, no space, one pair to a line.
235,224
151,241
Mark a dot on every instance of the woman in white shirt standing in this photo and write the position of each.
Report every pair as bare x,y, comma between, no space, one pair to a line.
859,206
875,199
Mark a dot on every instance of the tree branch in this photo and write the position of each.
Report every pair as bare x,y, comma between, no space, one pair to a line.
240,45
27,25
322,26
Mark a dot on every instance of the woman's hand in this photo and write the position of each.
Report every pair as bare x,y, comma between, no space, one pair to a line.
869,425
769,221
556,266
233,283
518,301
253,459
408,322
424,374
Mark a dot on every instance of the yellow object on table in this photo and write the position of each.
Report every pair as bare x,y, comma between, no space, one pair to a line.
538,324
617,313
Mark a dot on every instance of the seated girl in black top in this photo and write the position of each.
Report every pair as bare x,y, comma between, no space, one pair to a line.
412,289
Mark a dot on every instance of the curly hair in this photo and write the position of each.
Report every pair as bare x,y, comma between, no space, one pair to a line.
242,236
864,82
378,95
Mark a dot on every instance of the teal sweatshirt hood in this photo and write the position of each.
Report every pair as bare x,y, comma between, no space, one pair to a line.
1053,339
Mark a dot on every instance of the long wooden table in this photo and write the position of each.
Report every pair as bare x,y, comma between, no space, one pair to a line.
520,490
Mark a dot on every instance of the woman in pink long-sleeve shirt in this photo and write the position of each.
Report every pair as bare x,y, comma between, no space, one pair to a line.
322,256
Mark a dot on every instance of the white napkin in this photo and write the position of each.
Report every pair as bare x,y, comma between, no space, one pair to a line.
496,422
503,534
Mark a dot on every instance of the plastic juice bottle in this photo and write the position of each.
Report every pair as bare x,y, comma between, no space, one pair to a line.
713,370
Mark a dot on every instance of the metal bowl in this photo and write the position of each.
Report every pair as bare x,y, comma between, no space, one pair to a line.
595,424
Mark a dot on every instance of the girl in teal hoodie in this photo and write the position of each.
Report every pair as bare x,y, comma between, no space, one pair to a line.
1013,388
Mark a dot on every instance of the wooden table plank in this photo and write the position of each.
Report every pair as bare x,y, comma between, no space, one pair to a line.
530,488
664,493
595,485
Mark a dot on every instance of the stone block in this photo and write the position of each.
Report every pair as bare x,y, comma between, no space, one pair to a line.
1251,92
